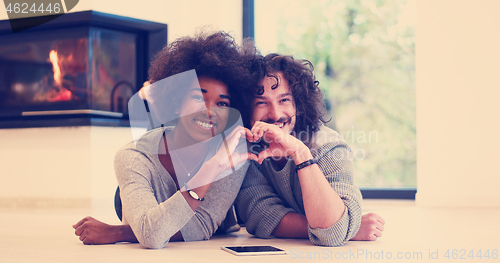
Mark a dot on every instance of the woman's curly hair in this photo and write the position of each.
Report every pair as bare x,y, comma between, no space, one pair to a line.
307,95
215,56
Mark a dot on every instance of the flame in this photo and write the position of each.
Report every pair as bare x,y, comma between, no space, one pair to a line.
63,94
55,67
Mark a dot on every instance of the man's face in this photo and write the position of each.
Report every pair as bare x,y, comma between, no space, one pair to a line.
275,106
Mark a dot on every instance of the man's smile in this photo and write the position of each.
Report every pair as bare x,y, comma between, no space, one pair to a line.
280,123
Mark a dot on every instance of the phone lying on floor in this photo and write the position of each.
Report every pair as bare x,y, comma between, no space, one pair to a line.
254,250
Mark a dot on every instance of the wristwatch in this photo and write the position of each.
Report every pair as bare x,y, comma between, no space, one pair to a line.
193,194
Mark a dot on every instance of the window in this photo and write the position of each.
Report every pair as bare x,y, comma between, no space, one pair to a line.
364,58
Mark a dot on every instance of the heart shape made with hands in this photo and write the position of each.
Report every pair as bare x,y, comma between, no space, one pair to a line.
279,143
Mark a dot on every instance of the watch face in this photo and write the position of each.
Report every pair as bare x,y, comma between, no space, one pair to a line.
194,195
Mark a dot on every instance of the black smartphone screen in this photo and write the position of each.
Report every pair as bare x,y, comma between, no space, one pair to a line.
254,250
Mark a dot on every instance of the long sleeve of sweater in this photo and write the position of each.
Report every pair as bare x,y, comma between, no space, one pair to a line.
268,193
259,205
156,210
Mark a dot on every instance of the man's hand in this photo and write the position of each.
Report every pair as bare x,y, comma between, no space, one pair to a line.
371,228
280,143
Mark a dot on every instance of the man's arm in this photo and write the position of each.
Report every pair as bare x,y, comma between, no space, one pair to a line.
258,204
331,201
336,166
292,225
322,204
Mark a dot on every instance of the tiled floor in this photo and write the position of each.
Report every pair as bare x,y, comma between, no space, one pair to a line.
412,234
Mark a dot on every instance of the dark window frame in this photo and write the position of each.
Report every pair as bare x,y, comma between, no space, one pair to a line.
389,193
248,19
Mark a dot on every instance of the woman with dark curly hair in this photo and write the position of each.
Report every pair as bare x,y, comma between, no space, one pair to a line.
179,180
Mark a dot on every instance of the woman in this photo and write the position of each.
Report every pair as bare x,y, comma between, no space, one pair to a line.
178,181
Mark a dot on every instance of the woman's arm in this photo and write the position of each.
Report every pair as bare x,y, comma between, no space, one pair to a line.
94,232
153,223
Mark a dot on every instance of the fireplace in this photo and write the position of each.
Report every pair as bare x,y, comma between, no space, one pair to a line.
79,69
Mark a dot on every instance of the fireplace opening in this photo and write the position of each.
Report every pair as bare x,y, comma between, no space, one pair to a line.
79,69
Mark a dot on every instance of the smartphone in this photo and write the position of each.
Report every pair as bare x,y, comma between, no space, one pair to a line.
254,250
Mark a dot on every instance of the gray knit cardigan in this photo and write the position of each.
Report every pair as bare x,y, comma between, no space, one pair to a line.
268,193
154,207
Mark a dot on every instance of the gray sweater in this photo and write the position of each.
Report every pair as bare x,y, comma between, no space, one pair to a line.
268,193
153,206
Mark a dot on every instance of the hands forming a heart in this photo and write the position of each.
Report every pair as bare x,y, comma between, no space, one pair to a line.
279,144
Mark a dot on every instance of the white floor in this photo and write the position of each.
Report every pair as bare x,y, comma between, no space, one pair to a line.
412,234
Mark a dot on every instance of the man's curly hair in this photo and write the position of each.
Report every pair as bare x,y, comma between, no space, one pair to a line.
214,56
307,95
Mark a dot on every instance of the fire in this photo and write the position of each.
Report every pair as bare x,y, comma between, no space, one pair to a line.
55,67
62,94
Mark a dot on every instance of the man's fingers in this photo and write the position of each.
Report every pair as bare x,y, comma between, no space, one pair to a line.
259,129
376,217
249,135
257,133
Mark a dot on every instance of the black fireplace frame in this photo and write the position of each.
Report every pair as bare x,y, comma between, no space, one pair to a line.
151,38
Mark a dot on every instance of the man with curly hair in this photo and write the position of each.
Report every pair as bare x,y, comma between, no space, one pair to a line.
304,186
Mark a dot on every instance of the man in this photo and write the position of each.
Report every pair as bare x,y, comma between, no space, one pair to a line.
303,187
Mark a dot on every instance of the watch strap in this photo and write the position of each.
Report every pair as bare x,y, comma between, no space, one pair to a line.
305,164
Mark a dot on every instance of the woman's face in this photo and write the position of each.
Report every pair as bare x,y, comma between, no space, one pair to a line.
204,111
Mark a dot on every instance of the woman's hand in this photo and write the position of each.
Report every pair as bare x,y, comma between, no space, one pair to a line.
95,232
226,157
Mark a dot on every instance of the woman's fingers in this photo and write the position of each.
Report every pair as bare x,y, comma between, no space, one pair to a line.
233,139
263,155
80,222
79,230
248,157
82,236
